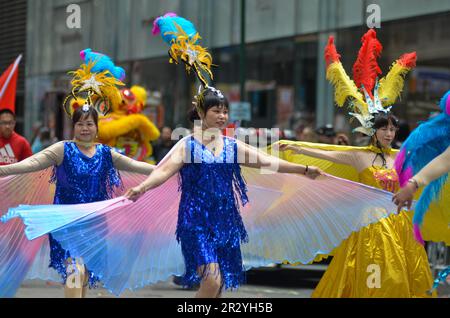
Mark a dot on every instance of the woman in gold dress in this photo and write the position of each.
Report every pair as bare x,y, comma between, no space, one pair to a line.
382,259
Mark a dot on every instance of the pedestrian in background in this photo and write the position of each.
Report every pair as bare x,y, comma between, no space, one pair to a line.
43,140
163,145
13,147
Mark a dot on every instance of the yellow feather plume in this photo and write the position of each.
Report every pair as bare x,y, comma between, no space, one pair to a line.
345,88
392,84
193,55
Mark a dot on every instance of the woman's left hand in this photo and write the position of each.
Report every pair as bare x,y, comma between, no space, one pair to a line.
404,197
135,193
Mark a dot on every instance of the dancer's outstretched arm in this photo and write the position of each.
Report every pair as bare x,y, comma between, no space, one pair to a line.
341,157
125,163
252,157
51,156
433,170
170,165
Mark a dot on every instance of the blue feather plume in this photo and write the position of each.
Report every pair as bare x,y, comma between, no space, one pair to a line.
426,142
102,63
166,24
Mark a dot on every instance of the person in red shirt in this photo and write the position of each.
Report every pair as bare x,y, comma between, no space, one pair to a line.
13,147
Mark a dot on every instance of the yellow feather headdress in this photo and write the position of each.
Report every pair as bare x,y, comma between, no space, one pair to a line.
184,40
92,89
366,96
193,55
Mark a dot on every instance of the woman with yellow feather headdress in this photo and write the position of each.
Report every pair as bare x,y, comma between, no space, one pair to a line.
84,172
382,259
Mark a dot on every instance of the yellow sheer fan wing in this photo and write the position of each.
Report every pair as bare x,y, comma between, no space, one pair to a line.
436,223
339,170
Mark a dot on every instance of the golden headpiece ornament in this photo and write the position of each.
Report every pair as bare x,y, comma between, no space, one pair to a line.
94,84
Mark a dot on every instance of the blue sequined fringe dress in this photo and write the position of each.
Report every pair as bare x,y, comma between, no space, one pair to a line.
82,179
210,227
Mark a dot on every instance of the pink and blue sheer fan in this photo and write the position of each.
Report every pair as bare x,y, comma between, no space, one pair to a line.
289,217
21,258
311,217
17,253
425,143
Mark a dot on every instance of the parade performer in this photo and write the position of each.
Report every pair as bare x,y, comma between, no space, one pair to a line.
424,161
210,195
84,171
210,228
387,248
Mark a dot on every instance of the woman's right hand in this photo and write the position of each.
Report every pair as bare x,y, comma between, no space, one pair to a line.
313,172
293,148
404,197
135,193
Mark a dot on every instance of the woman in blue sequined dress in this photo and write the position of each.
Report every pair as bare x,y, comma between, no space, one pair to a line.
84,172
210,228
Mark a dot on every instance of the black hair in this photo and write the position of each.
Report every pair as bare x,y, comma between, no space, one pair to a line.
8,111
207,99
382,120
44,133
79,114
403,131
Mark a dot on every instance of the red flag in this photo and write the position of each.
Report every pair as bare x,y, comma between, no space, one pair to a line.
8,84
